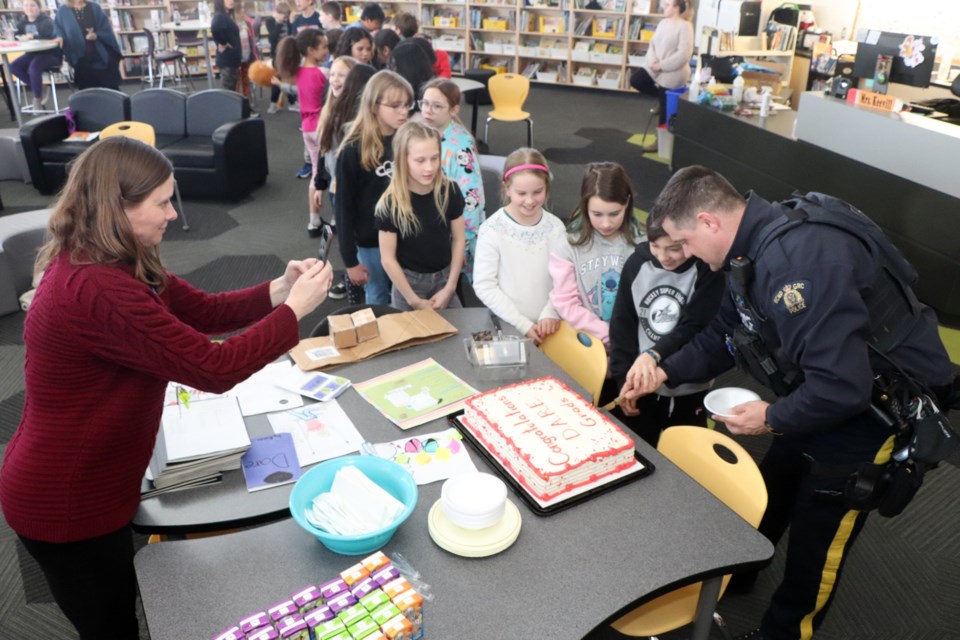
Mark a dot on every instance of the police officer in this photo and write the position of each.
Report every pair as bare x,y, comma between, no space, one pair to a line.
803,302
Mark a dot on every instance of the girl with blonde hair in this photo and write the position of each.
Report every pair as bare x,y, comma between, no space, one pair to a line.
364,169
420,219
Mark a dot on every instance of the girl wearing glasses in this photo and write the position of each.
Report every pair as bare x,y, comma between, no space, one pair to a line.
440,108
364,169
420,219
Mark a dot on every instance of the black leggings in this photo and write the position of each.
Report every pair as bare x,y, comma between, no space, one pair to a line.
93,582
642,82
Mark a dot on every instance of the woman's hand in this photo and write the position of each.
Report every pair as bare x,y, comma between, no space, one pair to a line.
310,289
655,66
358,275
280,288
91,35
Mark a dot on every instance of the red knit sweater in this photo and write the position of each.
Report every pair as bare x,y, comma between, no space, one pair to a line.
100,349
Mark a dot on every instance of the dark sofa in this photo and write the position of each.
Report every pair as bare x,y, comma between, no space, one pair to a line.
216,149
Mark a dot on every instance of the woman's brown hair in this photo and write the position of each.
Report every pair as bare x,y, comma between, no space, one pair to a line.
89,220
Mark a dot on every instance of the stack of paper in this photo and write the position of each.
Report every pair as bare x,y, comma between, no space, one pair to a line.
354,505
197,440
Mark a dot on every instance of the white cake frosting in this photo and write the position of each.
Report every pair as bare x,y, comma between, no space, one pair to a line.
548,437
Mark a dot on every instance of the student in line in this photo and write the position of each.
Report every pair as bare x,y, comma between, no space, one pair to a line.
510,274
364,169
298,60
665,299
440,108
420,219
585,266
330,16
356,43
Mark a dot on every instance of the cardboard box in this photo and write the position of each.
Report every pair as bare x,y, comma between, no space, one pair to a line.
759,79
495,24
366,324
343,332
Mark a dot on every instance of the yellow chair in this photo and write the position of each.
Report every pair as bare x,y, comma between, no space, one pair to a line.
726,470
144,133
508,91
581,355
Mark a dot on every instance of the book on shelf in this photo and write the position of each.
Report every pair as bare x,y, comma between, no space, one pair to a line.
530,71
552,24
586,72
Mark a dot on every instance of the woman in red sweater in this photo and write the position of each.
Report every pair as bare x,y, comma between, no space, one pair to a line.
109,327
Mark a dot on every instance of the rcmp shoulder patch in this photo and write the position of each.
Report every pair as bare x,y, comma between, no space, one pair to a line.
792,297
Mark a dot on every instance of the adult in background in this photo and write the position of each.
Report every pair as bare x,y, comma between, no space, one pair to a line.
29,67
226,35
108,315
667,63
89,44
797,319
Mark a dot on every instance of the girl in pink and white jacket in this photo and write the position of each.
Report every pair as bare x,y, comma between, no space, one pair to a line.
585,266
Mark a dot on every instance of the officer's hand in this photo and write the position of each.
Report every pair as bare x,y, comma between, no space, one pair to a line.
748,419
644,367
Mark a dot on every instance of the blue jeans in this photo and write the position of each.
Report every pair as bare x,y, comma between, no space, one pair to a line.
378,285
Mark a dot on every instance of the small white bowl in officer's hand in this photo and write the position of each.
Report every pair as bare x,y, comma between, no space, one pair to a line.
720,402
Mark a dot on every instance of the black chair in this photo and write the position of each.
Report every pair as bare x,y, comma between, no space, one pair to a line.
163,109
158,61
323,327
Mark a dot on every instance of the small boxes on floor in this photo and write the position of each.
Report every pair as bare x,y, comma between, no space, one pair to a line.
368,601
350,330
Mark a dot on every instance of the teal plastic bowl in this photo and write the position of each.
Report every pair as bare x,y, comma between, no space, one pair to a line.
394,479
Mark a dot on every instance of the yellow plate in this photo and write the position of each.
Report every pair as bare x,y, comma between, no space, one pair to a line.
474,543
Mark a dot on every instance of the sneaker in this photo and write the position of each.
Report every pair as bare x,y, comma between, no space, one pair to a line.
273,108
314,231
337,291
294,107
306,171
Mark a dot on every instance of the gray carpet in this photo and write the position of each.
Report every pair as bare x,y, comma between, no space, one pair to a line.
903,579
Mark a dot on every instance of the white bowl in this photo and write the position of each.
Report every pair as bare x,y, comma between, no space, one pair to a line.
474,500
720,402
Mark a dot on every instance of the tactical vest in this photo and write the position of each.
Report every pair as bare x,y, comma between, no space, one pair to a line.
891,303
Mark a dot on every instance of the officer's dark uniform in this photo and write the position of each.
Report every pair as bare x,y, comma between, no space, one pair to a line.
807,306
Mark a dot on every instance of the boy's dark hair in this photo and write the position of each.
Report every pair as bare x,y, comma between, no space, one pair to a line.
384,38
655,229
332,9
373,11
406,24
333,38
691,190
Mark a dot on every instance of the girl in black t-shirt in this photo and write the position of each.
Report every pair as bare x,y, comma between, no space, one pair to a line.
420,220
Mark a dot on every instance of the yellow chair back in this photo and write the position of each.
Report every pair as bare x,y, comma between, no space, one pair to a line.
726,470
131,129
580,354
508,91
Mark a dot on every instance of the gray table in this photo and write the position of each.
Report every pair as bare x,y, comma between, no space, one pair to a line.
565,575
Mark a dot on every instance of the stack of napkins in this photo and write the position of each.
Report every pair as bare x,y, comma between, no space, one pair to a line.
354,505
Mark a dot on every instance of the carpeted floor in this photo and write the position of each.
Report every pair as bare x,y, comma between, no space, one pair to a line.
902,580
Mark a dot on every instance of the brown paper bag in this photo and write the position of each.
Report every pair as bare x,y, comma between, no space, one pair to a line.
397,331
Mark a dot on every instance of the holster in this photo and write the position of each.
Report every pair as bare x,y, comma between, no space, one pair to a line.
753,356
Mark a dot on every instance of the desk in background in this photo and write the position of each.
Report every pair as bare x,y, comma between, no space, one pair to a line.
565,574
763,155
194,26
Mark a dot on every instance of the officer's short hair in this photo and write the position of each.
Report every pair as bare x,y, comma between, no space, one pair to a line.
691,190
